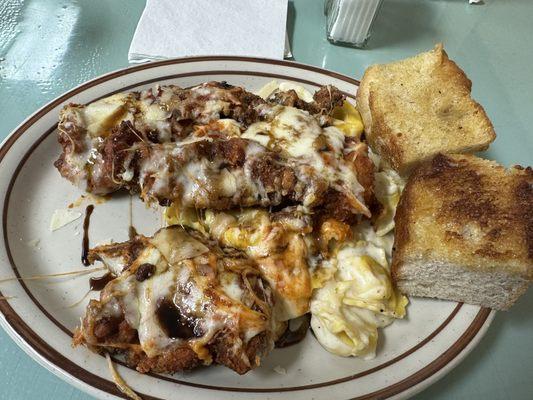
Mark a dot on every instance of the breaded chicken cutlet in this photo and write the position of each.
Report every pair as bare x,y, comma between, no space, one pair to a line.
179,301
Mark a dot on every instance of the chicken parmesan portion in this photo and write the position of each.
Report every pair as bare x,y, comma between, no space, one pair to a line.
179,301
215,146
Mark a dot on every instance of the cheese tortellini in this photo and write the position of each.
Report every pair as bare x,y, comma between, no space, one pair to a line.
359,297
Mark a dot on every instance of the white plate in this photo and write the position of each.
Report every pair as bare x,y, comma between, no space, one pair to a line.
412,353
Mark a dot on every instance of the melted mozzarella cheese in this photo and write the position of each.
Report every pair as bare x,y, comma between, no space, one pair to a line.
229,127
258,132
156,118
297,134
335,138
232,286
102,115
182,274
63,217
151,335
227,185
167,240
115,265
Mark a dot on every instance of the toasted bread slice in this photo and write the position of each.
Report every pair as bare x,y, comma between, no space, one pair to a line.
418,107
464,232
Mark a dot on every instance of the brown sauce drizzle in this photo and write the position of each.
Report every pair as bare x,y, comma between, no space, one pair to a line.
289,337
85,242
99,282
132,232
144,271
173,323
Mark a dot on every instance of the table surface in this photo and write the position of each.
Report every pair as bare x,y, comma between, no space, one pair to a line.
49,46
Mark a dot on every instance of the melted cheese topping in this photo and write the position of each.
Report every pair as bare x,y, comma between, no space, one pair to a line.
186,274
353,294
297,134
311,150
278,248
285,270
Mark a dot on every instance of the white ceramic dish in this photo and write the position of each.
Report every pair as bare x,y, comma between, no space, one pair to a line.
412,353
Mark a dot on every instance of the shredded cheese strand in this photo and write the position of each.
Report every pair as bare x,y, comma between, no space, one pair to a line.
121,384
80,300
37,277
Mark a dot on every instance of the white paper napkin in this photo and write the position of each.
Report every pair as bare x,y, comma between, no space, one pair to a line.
181,28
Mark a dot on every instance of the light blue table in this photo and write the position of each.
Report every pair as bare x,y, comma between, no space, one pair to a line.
47,47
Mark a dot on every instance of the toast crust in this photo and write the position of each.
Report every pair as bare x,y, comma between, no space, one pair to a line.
466,211
418,107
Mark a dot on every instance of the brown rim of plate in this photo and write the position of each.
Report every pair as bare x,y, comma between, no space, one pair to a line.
44,350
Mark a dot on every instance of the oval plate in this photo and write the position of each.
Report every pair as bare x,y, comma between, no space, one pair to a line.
40,315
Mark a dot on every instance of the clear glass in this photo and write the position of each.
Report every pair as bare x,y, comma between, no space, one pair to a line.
349,22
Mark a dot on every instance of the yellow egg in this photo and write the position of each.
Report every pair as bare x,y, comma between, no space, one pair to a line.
173,215
170,215
320,276
237,238
348,120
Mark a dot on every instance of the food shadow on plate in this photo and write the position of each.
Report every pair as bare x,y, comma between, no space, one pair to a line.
284,357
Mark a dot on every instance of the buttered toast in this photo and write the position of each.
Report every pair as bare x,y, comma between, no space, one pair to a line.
415,108
464,232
